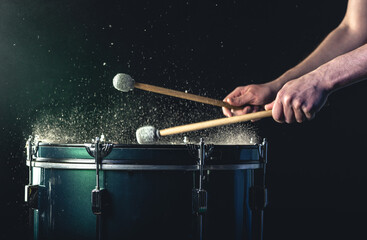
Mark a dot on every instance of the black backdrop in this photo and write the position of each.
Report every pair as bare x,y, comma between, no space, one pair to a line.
58,55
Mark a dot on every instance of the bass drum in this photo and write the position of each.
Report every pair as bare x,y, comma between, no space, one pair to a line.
148,192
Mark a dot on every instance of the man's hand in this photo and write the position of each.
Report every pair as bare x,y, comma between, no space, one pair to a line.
252,97
299,99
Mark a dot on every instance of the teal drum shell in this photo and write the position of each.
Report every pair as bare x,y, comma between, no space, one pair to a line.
148,192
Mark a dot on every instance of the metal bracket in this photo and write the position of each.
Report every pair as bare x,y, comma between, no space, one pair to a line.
30,190
199,195
199,201
263,151
193,151
99,202
105,149
31,196
98,151
32,147
258,193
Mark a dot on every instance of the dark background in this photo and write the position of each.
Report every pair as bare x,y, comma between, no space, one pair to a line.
60,56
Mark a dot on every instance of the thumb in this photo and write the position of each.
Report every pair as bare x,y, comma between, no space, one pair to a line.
269,106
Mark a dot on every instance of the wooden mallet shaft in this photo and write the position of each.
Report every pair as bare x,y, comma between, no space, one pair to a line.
183,95
149,134
125,83
214,123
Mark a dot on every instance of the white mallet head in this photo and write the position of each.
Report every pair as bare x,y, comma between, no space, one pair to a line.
123,82
147,135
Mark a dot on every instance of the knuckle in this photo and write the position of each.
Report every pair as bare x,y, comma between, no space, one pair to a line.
251,87
287,100
297,103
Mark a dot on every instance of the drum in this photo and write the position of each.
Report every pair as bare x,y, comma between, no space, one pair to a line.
146,191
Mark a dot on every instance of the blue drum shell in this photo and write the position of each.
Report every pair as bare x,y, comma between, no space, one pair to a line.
149,192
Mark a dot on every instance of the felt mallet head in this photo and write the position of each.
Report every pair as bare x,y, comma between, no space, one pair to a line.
123,82
147,135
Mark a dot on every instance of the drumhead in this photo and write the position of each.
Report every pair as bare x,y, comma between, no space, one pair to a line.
130,156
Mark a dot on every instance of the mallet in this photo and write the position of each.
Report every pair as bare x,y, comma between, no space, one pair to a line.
149,134
123,82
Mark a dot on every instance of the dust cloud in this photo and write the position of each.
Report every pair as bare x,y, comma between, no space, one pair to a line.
119,115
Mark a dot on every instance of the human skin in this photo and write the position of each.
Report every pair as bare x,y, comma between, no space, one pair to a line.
299,93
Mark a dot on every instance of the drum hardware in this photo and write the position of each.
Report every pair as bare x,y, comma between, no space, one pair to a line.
99,195
31,190
99,152
258,198
186,140
193,150
199,194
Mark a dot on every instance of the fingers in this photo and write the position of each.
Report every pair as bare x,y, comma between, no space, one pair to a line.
247,109
233,95
286,111
299,115
242,96
226,112
309,114
277,111
269,106
289,116
238,100
236,92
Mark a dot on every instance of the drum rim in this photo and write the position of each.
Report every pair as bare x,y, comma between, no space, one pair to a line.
50,144
150,167
160,155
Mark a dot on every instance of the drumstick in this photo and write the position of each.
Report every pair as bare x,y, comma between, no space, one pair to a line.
125,83
150,134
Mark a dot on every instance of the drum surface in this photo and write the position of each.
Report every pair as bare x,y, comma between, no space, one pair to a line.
148,192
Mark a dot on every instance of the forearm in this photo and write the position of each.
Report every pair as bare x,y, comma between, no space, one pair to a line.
303,97
344,70
342,40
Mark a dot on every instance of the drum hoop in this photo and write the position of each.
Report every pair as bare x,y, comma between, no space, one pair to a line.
148,146
148,154
128,167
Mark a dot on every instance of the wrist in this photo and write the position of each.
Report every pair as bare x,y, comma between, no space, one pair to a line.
272,89
278,83
330,78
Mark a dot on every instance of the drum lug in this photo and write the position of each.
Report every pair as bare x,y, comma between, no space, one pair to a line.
98,195
199,195
31,196
258,193
102,151
199,201
263,151
99,201
31,190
